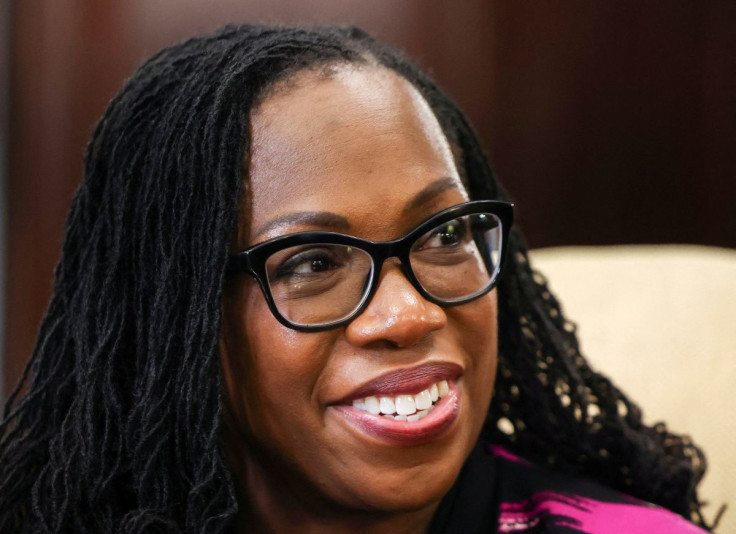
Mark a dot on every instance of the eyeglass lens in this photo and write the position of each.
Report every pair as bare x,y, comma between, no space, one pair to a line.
317,283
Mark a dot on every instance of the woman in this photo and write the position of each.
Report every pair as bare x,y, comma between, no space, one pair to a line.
206,366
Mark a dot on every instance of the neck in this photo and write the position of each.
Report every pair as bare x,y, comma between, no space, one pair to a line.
254,517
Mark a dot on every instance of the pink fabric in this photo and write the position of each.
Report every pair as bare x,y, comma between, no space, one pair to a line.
500,452
590,516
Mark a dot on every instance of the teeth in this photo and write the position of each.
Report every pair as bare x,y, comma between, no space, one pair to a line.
372,406
411,418
405,405
388,406
409,408
423,400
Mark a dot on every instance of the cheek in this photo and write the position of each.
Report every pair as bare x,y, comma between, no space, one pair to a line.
478,335
269,370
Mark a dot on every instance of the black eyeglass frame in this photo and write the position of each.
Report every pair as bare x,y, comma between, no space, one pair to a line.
253,259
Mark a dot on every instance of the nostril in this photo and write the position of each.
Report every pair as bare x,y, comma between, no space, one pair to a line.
397,316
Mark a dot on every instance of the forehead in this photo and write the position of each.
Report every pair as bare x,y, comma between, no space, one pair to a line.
356,140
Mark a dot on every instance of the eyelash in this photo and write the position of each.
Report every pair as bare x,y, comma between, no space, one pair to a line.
289,266
459,232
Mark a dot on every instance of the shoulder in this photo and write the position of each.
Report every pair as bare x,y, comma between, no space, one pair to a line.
534,499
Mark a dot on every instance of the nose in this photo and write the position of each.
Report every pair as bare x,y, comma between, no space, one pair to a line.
397,314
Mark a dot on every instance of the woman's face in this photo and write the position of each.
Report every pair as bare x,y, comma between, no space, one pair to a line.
358,152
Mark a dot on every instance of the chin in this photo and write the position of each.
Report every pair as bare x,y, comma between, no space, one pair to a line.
406,493
412,483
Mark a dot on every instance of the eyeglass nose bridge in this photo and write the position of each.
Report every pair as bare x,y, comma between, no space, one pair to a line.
380,253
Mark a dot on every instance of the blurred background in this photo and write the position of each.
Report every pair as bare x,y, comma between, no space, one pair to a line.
610,122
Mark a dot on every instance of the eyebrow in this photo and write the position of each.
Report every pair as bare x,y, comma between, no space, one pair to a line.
327,219
430,192
312,218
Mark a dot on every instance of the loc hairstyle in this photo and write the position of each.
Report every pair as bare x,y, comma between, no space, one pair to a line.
120,427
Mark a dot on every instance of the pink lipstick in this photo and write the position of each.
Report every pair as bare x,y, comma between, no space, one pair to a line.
405,407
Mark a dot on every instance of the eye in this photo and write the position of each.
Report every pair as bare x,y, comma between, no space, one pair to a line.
449,234
309,262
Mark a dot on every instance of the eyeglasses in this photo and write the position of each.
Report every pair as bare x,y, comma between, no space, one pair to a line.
320,280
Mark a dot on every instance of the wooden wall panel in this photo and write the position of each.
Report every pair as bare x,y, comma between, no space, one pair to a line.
611,120
38,187
61,58
716,181
4,109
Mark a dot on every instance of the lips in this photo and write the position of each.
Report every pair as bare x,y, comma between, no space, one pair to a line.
408,381
368,408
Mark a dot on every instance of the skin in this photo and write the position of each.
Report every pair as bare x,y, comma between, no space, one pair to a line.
362,146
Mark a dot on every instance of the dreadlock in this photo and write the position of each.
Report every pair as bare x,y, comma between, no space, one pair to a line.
119,430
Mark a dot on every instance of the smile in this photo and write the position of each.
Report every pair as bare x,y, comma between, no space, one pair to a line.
406,407
409,408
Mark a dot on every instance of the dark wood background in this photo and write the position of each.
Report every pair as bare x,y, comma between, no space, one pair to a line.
610,122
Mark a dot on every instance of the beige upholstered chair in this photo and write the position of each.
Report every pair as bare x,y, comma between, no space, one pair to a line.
660,321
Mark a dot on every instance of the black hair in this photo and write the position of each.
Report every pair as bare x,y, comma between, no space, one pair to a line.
120,427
